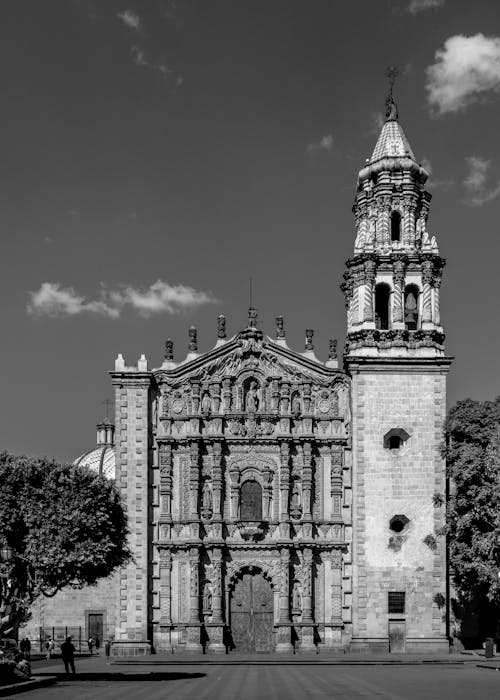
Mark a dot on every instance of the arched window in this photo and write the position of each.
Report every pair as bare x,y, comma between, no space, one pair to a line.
382,296
251,501
411,307
395,226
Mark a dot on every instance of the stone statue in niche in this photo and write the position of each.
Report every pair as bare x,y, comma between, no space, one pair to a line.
296,405
207,500
207,599
252,399
296,599
206,404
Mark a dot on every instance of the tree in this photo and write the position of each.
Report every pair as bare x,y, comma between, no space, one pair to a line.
60,526
472,453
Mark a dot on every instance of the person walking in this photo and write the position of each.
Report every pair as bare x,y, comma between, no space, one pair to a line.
91,644
97,645
49,646
27,648
107,648
68,655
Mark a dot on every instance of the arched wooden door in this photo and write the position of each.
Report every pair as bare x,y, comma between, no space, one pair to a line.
252,614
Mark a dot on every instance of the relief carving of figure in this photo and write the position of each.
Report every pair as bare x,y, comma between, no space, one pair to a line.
296,404
252,400
207,598
296,598
206,404
207,496
344,404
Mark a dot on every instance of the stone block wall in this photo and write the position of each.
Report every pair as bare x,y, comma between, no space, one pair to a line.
391,482
132,479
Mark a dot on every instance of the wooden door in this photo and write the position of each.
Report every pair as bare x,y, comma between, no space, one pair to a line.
397,636
252,614
96,627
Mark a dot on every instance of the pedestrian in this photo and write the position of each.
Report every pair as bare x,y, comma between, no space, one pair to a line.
68,655
91,644
22,646
97,645
27,648
107,648
49,646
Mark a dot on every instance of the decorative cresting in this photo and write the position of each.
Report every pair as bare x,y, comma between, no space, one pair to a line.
393,250
252,564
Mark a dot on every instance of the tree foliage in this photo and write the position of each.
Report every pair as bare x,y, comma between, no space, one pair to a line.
66,527
472,453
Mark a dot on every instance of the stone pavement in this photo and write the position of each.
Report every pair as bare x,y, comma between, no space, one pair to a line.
294,678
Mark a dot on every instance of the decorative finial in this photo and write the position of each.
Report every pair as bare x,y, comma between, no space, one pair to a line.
252,317
221,326
309,339
280,327
332,352
193,339
169,349
391,110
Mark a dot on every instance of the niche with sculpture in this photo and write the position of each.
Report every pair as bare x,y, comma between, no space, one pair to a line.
251,398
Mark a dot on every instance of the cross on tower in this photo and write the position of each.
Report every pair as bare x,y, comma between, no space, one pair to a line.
391,111
107,403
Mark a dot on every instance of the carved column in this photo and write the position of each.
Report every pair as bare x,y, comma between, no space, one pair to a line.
165,587
234,475
336,482
193,626
226,395
217,481
336,592
165,459
195,395
370,268
307,624
285,482
284,643
194,480
437,311
307,481
267,482
216,627
398,277
426,293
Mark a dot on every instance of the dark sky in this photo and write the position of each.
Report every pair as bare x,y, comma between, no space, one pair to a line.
201,142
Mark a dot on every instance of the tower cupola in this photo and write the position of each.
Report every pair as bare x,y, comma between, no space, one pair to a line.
392,282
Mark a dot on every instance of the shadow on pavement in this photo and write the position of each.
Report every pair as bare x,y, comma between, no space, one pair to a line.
106,676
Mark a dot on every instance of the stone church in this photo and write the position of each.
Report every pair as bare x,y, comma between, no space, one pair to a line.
277,502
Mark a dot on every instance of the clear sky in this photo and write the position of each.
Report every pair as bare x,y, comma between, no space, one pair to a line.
154,155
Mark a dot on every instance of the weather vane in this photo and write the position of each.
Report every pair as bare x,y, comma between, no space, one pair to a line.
391,110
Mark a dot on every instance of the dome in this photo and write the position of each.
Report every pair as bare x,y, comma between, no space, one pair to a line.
101,459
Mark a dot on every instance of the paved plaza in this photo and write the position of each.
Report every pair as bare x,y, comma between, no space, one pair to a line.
294,679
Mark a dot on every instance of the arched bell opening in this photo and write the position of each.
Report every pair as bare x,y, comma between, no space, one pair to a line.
382,306
395,227
411,307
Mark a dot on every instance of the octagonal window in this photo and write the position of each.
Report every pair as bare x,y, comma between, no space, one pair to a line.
398,523
395,439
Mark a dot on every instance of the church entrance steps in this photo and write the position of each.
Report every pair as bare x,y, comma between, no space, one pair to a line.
322,659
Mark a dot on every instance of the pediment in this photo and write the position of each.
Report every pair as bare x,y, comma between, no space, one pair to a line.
250,354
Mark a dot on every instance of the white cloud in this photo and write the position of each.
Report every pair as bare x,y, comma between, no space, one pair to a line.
130,19
466,70
140,60
52,299
416,6
324,144
477,190
160,297
427,165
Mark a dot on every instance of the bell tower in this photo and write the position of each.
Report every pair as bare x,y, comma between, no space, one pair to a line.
396,358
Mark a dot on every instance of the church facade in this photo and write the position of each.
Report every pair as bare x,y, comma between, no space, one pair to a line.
278,502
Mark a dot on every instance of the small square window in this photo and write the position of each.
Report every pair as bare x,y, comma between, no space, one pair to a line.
396,602
394,442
